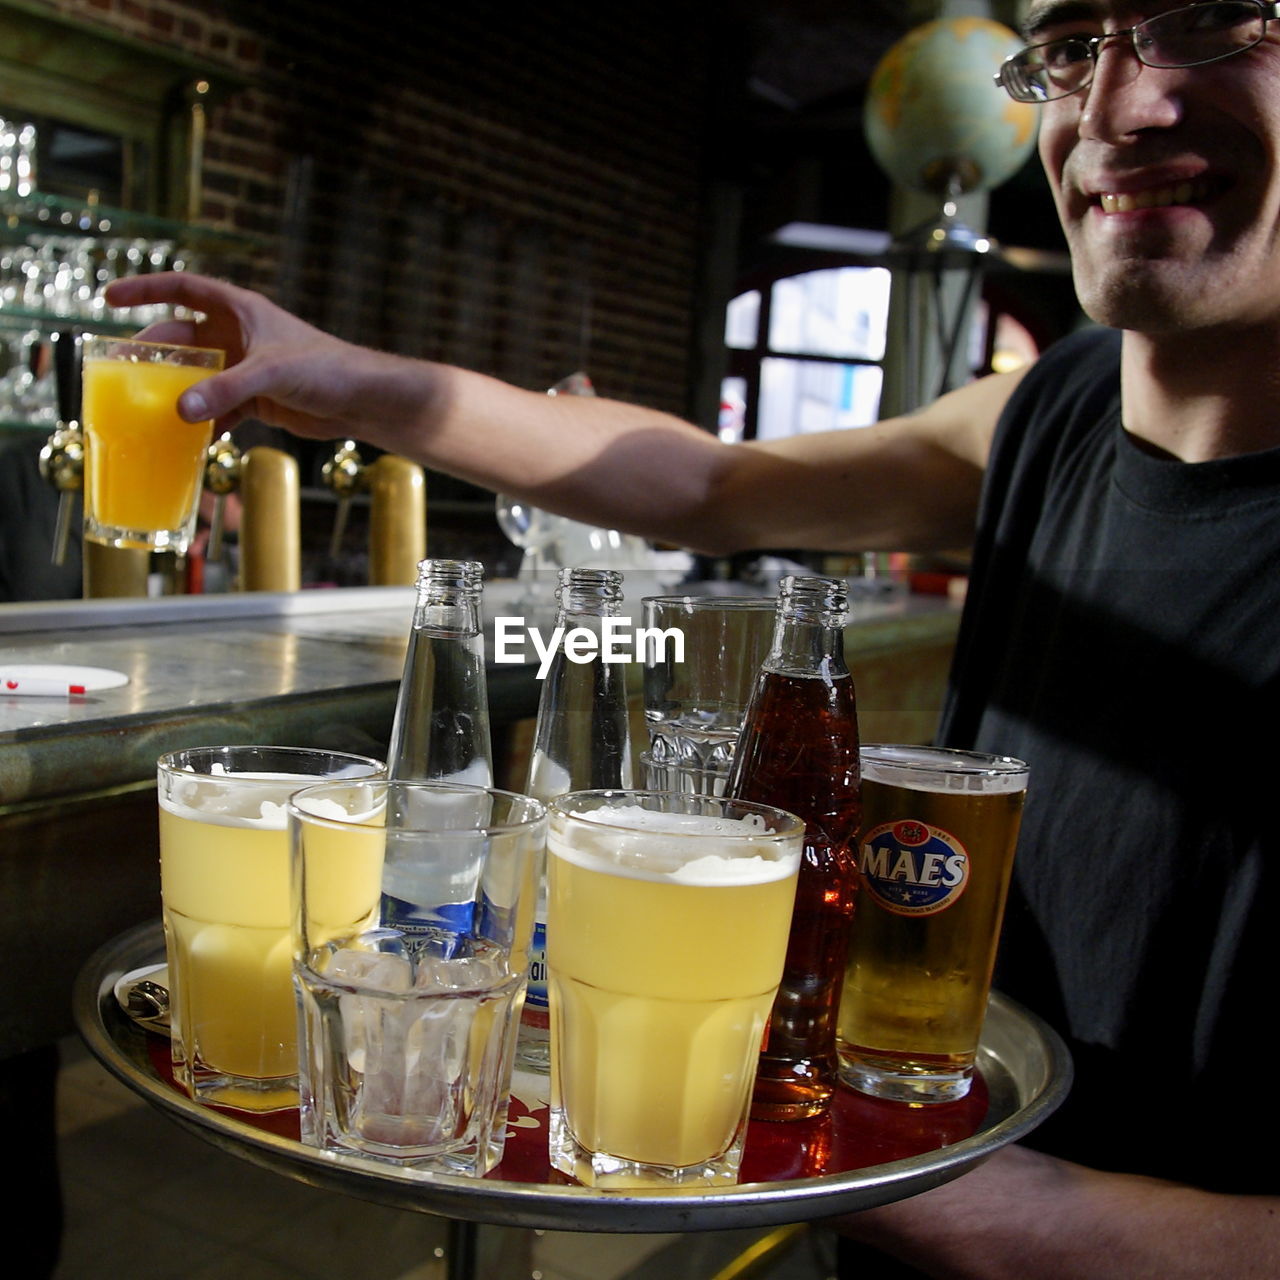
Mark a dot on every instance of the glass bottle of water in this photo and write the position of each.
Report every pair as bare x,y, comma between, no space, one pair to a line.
581,741
441,727
440,734
799,751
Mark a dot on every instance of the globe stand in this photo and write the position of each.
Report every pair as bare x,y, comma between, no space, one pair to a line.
926,255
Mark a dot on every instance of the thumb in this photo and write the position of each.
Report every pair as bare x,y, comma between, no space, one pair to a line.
222,395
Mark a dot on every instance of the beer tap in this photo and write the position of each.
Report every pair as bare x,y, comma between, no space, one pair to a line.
266,480
221,477
397,491
344,474
62,458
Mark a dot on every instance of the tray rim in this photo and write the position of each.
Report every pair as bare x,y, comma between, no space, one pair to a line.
546,1206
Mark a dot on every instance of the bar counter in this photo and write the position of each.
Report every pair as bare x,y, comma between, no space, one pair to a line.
78,851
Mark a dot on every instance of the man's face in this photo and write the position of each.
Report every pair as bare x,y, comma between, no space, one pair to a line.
1167,181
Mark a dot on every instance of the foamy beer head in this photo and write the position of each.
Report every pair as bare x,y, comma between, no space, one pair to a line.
934,856
690,838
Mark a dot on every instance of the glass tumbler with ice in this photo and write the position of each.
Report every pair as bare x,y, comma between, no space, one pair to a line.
413,917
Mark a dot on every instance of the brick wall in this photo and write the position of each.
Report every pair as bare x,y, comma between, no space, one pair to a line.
513,188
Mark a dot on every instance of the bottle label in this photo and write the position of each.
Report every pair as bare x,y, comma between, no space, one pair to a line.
536,992
913,869
451,926
414,917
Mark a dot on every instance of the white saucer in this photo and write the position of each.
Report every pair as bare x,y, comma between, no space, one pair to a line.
90,679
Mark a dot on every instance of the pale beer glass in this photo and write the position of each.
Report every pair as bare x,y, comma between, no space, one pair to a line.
143,464
224,886
935,858
667,928
413,919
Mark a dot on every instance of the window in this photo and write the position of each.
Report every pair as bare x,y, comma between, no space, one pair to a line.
805,353
806,349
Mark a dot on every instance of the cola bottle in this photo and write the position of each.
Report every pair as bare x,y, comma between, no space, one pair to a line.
799,751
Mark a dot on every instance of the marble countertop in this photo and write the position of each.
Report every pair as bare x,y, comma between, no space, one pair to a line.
198,669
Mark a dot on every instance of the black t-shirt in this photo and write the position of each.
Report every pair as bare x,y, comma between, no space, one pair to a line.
28,523
1122,635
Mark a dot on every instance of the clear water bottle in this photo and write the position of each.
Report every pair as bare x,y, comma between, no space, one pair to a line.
799,751
441,732
441,727
582,740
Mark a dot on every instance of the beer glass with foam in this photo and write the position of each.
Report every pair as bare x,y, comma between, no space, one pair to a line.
224,885
934,858
143,464
667,924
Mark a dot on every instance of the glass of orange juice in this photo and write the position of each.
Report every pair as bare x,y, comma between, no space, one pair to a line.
143,464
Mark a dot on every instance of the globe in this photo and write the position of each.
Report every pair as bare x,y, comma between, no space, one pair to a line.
934,119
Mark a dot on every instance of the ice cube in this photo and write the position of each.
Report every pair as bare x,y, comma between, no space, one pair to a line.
413,1056
476,971
380,970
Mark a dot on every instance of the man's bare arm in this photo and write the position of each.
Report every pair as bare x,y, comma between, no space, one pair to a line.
1023,1215
909,484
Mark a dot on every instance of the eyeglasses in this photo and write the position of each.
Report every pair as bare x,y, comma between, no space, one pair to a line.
1186,37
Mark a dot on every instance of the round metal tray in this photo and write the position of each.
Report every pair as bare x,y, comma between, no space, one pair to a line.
1024,1070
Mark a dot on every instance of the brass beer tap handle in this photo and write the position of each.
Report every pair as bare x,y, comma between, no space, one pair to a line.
111,572
271,525
397,521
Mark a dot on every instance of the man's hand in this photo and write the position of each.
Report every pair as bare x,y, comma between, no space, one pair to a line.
280,370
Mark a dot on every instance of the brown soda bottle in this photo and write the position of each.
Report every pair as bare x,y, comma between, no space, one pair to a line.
799,751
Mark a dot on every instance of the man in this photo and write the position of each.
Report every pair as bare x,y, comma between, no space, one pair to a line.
1121,633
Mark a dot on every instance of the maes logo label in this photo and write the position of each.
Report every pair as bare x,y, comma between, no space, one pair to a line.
913,869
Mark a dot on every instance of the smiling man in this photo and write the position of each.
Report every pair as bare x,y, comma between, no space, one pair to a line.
1121,634
1128,540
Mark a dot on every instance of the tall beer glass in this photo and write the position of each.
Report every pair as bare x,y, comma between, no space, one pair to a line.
224,886
934,857
667,924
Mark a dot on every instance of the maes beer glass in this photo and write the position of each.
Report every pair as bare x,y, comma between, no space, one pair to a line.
935,856
666,931
143,464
